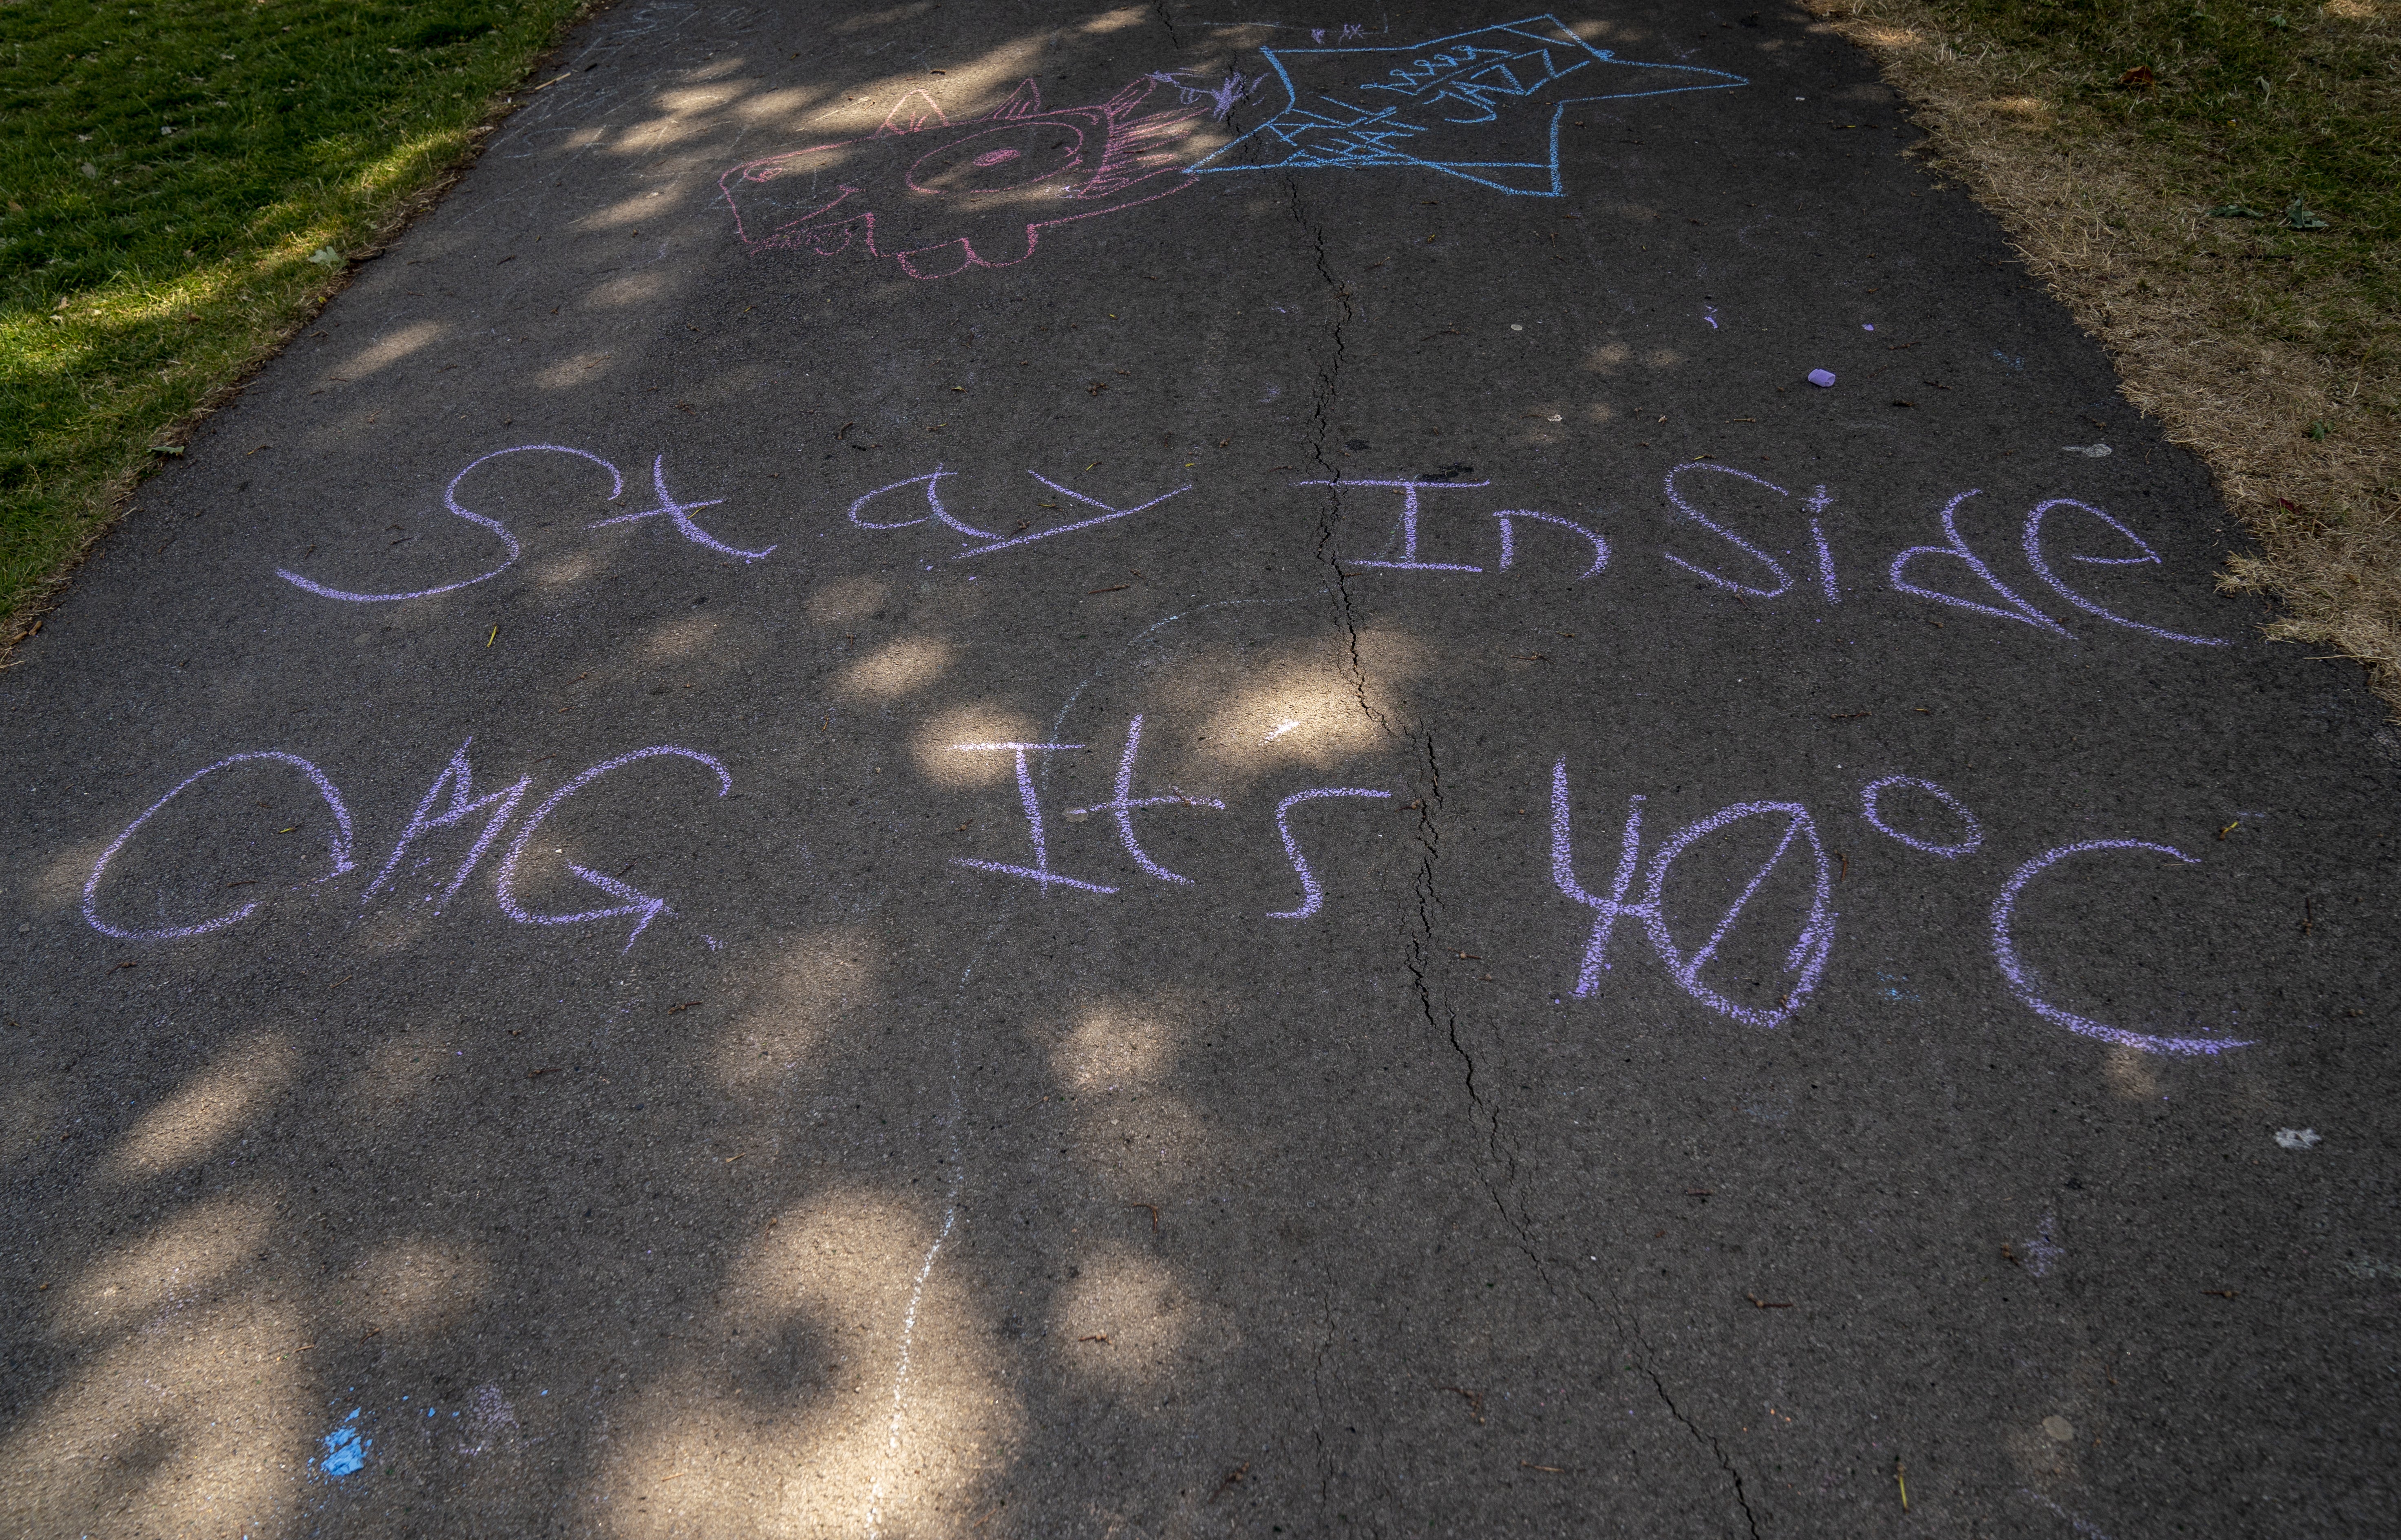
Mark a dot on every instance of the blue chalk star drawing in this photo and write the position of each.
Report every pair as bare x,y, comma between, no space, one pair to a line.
1484,106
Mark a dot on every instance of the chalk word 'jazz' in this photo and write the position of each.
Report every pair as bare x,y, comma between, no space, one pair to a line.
434,812
1484,106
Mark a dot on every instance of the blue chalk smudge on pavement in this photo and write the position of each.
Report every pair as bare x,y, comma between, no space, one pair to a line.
346,1448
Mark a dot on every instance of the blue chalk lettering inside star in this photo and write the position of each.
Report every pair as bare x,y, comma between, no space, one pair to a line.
346,1446
1485,105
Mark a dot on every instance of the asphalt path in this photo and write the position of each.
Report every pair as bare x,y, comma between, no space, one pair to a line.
1024,771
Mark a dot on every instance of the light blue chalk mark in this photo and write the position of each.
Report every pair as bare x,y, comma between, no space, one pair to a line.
1483,74
346,1448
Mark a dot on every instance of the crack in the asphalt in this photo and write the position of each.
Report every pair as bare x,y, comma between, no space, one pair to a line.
1444,1020
1317,1372
1168,21
1500,1177
1627,1331
1322,428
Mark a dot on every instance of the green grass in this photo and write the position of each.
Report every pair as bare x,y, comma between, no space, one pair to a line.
2255,106
182,181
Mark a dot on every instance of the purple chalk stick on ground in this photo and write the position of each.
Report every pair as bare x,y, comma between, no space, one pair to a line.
1821,379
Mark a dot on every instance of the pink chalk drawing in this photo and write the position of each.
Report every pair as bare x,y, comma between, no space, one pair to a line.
940,198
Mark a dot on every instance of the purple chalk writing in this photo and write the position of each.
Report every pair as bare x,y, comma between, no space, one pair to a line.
1041,871
2017,608
2021,979
1973,832
681,514
1409,490
1509,542
932,480
1124,804
630,901
460,781
2144,554
338,847
1312,898
450,501
1806,959
1783,579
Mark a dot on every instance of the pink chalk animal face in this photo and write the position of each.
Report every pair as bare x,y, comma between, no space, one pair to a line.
939,198
998,160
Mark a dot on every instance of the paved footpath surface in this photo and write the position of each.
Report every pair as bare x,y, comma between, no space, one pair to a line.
1019,771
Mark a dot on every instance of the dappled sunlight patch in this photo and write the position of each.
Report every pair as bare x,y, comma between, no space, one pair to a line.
846,600
2023,109
418,1285
195,1434
625,212
1227,713
1888,37
626,290
785,102
904,1419
391,348
867,21
897,668
564,571
680,638
151,1276
698,98
2132,1073
659,132
59,883
1123,1041
1608,357
1124,1322
233,1092
823,978
935,746
581,369
1117,21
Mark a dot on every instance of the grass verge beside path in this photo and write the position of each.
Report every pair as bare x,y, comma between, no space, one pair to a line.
186,182
2214,188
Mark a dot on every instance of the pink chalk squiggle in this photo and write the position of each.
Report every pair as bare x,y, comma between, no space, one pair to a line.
940,200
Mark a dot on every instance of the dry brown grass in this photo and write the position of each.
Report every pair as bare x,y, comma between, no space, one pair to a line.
2284,379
